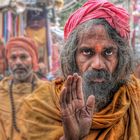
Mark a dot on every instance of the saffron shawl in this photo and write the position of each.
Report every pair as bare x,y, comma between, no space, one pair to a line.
120,120
20,91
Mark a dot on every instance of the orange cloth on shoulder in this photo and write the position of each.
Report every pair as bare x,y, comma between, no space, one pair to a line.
2,131
120,120
20,92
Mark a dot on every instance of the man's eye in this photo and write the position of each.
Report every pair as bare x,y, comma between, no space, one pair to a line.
13,57
108,52
87,52
23,57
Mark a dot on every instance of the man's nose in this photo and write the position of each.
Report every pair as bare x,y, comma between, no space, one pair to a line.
18,61
97,62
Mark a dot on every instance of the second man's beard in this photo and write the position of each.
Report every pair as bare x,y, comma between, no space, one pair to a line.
103,91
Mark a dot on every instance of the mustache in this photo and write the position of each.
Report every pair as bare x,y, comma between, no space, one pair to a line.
97,74
19,67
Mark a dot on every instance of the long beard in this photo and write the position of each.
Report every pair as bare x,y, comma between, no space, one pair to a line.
103,91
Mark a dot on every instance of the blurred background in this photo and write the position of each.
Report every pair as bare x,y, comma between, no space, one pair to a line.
43,20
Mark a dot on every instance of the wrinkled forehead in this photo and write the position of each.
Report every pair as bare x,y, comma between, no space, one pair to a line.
17,50
94,32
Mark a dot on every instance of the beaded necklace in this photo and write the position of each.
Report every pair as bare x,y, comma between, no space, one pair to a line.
13,115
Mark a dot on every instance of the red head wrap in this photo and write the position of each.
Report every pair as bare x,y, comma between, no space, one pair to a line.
27,44
117,17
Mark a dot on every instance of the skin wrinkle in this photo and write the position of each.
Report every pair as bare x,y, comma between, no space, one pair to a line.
103,95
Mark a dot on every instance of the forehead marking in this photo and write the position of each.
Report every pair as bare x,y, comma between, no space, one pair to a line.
98,48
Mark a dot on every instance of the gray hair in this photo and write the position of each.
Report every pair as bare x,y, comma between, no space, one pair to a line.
136,56
68,52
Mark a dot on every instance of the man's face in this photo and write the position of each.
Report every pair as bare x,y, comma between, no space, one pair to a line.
97,59
20,63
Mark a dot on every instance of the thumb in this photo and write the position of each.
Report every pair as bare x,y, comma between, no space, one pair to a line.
90,104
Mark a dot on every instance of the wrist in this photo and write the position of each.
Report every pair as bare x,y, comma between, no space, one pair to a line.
70,138
62,138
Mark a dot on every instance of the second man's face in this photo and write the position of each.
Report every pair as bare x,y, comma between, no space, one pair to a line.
20,63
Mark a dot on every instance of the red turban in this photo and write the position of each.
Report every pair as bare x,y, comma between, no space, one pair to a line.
117,17
27,44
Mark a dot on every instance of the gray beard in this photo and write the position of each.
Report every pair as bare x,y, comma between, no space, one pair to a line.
103,92
22,77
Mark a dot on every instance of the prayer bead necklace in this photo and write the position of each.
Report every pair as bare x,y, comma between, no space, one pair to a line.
14,123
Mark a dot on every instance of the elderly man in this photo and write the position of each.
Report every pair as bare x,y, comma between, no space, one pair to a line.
21,53
100,99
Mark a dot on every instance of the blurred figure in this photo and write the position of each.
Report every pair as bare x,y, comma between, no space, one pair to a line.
42,71
22,57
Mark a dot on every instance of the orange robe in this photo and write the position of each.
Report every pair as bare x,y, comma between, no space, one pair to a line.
120,120
20,92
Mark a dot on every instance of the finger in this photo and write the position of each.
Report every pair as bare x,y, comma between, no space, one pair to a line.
69,89
74,85
63,98
79,91
90,104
